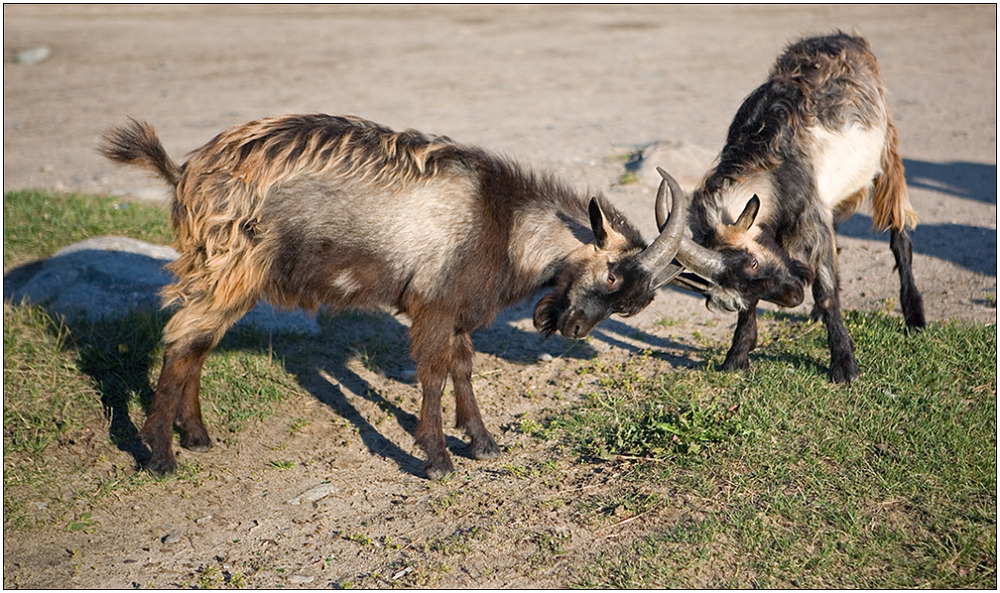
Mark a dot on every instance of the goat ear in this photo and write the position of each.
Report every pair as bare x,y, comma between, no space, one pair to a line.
598,223
745,221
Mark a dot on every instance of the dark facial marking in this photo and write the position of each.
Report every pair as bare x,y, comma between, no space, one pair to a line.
625,292
779,279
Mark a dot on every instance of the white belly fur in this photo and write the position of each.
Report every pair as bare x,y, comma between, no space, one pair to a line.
845,161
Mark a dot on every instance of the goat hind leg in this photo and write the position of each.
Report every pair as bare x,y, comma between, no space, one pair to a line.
911,301
194,435
190,335
467,416
180,376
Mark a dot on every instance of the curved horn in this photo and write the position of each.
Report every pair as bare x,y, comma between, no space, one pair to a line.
700,260
657,257
661,199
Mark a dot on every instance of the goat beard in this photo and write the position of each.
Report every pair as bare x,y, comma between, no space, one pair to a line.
547,312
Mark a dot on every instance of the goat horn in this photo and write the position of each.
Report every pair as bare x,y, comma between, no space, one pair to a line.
702,261
657,257
661,198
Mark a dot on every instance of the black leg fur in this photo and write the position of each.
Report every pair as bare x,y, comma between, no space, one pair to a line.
744,340
843,366
911,301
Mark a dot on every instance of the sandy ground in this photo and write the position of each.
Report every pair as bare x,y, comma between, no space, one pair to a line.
574,90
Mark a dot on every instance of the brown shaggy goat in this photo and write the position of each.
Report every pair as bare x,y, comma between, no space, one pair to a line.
315,210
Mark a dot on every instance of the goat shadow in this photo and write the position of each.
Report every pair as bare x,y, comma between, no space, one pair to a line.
118,354
972,247
962,179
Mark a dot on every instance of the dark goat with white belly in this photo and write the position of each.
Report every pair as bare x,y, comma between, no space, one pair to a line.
310,211
805,149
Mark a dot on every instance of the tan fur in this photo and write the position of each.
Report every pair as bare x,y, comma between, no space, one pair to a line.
311,210
218,203
891,207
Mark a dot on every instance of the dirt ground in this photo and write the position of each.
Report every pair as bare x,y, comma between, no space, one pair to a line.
574,90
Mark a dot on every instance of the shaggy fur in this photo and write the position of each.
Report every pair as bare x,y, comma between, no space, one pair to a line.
315,210
808,146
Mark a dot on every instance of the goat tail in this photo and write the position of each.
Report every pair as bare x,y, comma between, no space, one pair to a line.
135,143
891,207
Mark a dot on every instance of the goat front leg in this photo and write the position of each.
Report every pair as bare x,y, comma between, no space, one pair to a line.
467,416
911,301
432,351
826,294
744,340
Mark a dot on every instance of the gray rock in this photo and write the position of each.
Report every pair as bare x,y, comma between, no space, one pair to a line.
108,277
171,539
313,494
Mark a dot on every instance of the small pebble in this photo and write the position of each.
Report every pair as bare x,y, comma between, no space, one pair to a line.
33,55
171,539
545,357
313,494
204,519
301,579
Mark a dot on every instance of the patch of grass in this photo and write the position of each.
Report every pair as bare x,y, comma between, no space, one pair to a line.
459,542
889,482
628,178
45,397
85,523
47,403
38,223
243,386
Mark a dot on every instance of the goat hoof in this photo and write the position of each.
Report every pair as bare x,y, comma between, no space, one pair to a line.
915,322
160,465
199,443
844,372
484,449
734,364
437,470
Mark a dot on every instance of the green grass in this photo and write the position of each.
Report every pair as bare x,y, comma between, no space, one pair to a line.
38,223
80,389
887,483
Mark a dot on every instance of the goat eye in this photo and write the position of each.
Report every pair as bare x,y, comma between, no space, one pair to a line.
612,279
753,263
